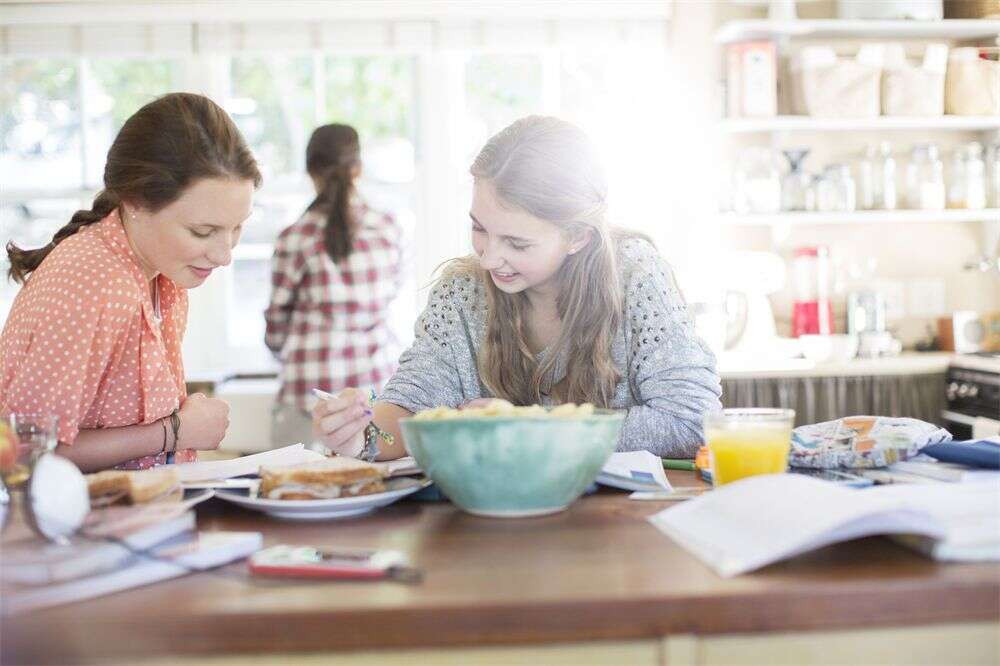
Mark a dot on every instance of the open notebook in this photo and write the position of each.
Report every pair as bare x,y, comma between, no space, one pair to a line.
749,524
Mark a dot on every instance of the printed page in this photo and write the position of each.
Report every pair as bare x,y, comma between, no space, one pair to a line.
969,512
634,470
745,525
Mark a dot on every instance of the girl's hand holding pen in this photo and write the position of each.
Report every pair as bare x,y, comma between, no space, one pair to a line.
339,420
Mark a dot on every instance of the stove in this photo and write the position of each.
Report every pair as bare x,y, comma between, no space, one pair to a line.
972,394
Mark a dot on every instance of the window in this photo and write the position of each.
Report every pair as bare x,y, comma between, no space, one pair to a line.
499,89
114,90
29,223
423,110
273,102
40,124
277,101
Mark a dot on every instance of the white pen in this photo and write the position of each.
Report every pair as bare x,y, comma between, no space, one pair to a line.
322,395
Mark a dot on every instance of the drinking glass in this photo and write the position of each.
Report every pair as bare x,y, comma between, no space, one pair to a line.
747,442
23,438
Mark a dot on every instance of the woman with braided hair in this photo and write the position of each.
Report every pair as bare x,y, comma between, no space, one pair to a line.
334,273
94,335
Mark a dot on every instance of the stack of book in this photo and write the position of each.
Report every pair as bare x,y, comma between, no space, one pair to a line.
119,548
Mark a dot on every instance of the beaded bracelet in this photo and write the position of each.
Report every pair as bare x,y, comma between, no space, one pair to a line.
175,425
163,423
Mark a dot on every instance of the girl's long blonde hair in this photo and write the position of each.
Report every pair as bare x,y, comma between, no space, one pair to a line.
548,168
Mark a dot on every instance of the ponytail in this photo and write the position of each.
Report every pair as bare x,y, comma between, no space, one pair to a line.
23,262
335,200
333,157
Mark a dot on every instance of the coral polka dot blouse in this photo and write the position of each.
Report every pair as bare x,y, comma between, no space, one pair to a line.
83,341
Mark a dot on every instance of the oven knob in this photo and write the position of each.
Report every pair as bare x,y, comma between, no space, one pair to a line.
952,390
973,391
963,390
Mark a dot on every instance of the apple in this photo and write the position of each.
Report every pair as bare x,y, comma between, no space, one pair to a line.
8,446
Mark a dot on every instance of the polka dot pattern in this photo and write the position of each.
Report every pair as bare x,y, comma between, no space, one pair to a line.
81,340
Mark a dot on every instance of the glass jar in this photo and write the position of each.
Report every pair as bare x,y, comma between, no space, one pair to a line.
757,182
993,175
925,179
796,190
836,191
967,185
877,178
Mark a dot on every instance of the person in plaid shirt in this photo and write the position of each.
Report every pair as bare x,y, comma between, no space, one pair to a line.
334,273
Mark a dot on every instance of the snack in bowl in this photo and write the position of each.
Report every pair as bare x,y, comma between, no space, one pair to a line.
505,461
498,407
324,479
115,486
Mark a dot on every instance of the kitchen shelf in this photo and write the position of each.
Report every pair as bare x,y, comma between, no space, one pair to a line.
881,123
861,217
971,29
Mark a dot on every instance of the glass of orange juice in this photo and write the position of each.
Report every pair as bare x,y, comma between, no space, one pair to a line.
747,442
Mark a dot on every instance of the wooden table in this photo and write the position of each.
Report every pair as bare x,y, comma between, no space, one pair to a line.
595,584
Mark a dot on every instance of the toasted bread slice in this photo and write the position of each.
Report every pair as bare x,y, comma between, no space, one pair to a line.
160,484
316,492
324,479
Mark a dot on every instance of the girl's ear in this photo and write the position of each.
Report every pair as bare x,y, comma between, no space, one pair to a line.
579,238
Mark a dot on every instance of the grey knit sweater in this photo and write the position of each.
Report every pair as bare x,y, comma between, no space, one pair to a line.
668,377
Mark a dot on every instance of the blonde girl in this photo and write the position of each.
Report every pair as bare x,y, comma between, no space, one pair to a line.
555,306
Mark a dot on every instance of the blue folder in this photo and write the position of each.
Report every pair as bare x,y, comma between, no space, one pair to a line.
974,453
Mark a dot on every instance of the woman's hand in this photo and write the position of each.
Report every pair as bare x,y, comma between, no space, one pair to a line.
339,422
204,422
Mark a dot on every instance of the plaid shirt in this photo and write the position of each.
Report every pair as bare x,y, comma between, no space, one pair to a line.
327,321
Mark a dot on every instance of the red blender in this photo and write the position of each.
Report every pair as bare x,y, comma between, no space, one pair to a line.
812,311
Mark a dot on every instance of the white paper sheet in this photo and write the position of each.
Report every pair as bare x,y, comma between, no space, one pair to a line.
751,523
634,470
224,469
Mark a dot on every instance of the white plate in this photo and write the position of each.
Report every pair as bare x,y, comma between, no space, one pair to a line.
323,509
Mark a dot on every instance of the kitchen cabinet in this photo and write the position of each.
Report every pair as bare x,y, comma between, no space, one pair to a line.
911,385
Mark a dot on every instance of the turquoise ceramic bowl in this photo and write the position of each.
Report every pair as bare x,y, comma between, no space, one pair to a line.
513,467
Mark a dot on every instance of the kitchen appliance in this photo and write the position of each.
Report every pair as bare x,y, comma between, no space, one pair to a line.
866,311
972,396
749,278
966,331
812,310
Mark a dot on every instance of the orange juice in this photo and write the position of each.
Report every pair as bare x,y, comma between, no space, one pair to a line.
747,442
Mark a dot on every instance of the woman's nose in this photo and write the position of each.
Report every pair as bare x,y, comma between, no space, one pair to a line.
221,253
490,260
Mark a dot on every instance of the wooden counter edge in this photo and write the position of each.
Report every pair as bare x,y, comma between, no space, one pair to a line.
502,624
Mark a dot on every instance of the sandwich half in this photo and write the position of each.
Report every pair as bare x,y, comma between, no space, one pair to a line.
160,484
324,479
